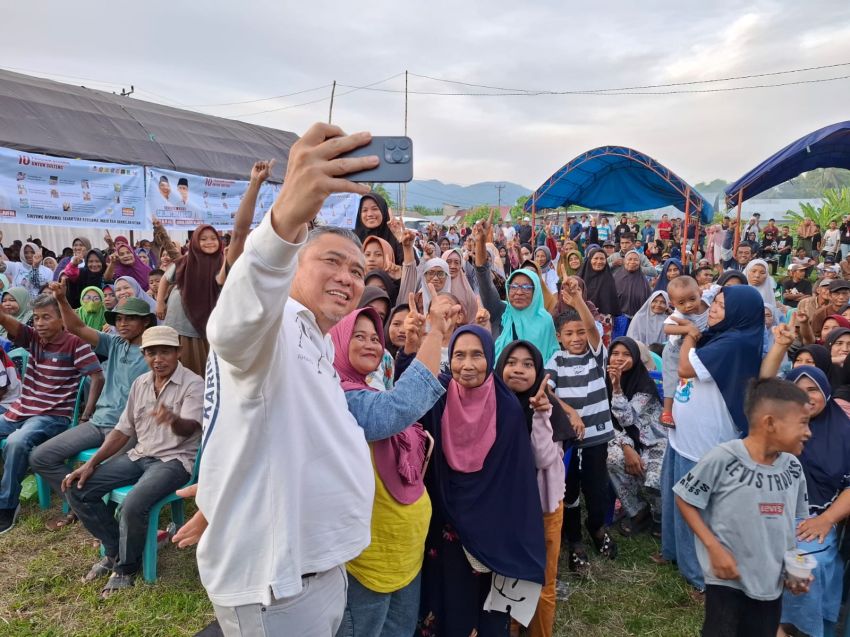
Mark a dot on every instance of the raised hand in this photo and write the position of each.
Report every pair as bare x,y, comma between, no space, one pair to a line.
414,326
783,335
396,226
482,316
315,170
261,170
571,292
408,238
37,257
615,374
76,260
58,289
540,400
164,416
442,313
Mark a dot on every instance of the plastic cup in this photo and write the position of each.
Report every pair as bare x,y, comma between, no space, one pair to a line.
798,567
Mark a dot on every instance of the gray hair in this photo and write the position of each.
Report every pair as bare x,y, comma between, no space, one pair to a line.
345,233
43,300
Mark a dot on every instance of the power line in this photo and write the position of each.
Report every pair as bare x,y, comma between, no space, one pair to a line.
262,99
647,86
321,99
609,92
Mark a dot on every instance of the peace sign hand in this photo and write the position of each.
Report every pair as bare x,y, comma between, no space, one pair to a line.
540,401
783,335
413,327
261,170
396,225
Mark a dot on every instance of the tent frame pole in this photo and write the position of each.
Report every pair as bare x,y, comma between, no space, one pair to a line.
533,218
687,225
738,221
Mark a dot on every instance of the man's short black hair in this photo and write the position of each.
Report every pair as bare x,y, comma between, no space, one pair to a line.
156,271
761,390
567,316
744,244
703,268
627,235
657,348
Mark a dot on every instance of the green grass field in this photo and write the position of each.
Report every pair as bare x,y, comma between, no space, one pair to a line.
41,595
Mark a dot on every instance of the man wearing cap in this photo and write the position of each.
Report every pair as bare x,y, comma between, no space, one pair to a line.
124,364
609,248
163,414
796,286
839,295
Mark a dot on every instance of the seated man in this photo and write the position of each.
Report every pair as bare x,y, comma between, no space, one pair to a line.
57,363
163,414
124,363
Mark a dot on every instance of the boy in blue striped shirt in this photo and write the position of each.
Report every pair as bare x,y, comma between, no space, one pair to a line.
578,374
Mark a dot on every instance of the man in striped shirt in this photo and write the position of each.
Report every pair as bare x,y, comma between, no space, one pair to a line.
578,372
57,363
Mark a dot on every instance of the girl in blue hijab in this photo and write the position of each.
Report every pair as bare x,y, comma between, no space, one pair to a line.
664,277
826,464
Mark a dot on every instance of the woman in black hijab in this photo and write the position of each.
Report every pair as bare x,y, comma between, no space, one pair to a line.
373,219
599,282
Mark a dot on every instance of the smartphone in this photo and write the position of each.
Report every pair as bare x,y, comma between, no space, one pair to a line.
396,160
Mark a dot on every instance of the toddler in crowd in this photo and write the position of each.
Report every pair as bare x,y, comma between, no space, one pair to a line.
691,306
741,500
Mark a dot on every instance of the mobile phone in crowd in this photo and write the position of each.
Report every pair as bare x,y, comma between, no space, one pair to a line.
395,155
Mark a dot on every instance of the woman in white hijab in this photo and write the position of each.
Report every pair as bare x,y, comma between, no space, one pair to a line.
758,277
29,273
647,325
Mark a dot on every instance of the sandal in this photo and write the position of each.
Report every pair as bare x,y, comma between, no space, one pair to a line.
667,420
579,562
659,559
629,527
100,569
116,582
60,523
605,545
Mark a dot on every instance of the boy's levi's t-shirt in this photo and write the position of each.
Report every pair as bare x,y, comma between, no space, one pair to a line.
579,380
751,508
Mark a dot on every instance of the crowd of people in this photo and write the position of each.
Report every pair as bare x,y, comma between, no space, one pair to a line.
404,432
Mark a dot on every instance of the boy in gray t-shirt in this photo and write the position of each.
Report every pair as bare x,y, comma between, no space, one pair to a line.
741,500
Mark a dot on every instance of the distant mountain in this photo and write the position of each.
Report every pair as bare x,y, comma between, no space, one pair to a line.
433,193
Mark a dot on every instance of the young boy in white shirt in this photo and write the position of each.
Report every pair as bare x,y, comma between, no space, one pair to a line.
741,501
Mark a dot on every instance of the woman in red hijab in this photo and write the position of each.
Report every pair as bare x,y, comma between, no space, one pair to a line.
189,292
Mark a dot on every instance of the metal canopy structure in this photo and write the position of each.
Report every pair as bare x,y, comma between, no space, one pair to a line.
43,116
827,147
618,179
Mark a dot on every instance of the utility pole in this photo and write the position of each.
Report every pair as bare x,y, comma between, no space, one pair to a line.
499,187
331,109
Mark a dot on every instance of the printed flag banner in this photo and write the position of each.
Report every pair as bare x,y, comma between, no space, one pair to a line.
185,201
55,191
340,209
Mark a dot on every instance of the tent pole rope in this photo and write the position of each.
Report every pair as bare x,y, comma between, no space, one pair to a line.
738,222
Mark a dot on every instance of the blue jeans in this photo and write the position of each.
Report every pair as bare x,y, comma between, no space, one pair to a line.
21,437
845,248
371,614
677,539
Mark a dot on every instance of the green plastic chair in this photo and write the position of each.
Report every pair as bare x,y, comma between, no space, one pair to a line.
178,516
20,357
44,490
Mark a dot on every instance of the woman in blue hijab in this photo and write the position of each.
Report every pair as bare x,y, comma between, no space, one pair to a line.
669,270
826,464
487,520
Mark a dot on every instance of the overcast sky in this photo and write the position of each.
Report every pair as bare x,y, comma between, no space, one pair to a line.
214,52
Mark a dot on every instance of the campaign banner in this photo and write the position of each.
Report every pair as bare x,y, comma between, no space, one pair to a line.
56,191
183,200
340,209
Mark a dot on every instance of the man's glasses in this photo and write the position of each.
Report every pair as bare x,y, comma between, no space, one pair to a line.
525,287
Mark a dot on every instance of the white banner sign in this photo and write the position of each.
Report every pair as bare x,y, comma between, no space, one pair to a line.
55,191
340,209
182,200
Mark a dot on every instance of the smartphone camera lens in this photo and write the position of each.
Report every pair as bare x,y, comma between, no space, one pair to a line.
397,156
389,145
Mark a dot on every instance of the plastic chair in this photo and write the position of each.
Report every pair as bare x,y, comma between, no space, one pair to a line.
44,490
178,516
656,359
20,357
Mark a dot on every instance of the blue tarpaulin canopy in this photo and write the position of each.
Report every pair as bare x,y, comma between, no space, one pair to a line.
828,147
618,179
